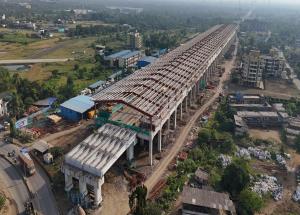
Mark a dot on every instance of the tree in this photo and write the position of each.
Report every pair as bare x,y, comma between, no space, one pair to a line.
28,101
187,166
297,143
69,89
15,106
249,202
137,200
54,73
204,136
236,177
12,128
56,152
2,201
152,209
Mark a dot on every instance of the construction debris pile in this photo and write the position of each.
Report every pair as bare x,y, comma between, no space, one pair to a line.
254,152
280,160
259,153
296,195
268,184
243,153
225,160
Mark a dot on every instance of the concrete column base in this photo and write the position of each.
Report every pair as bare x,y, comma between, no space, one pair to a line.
159,140
98,192
130,153
82,187
68,182
151,151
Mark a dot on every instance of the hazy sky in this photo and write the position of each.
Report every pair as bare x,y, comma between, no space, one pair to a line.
248,1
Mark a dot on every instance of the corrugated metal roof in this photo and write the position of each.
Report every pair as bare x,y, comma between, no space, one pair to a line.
79,104
205,198
130,54
97,84
119,54
46,102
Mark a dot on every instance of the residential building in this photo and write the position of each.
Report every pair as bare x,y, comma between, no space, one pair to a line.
129,59
293,128
240,98
135,40
260,118
241,127
257,66
3,104
274,63
204,202
253,67
297,43
124,59
201,177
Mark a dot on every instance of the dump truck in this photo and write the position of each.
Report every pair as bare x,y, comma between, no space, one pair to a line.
27,163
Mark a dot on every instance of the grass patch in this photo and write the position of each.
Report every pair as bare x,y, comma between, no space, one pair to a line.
17,38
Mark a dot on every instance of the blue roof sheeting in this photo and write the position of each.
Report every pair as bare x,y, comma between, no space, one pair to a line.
79,104
118,54
148,59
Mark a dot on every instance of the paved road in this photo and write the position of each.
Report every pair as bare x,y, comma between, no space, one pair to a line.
163,165
43,201
14,184
33,61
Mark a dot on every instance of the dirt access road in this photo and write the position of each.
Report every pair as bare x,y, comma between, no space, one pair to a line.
160,170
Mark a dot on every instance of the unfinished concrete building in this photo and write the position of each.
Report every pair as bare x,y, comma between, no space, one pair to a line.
257,66
253,67
144,106
293,129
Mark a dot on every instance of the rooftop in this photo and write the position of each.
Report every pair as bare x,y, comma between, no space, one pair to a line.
154,90
208,199
257,114
97,84
97,153
149,59
41,146
130,54
46,102
201,174
79,104
118,54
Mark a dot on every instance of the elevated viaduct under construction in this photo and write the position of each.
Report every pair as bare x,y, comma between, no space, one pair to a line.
144,106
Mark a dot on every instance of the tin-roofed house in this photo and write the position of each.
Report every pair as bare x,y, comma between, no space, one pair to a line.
205,202
77,108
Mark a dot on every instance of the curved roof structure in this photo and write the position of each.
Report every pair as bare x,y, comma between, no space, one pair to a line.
98,152
155,89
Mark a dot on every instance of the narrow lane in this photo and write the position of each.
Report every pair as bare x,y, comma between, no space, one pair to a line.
14,184
39,184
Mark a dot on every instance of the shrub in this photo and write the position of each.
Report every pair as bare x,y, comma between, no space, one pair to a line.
2,201
249,202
